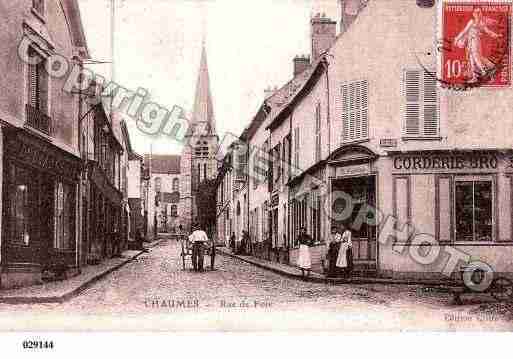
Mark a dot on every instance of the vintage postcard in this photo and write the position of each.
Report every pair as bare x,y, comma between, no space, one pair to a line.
271,165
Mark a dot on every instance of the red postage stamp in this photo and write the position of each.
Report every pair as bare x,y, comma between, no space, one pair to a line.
476,44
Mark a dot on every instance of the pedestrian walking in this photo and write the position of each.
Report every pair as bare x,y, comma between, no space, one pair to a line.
305,260
198,238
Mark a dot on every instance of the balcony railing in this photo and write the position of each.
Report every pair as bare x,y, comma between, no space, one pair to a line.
38,120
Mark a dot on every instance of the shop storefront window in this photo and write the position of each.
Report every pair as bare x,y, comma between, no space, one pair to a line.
64,216
300,218
473,209
18,206
20,215
315,212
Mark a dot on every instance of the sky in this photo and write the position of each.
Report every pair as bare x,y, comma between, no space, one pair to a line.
157,46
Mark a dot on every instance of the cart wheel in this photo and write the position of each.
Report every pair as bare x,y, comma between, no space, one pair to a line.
502,289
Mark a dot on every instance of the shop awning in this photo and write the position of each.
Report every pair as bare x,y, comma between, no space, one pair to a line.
99,179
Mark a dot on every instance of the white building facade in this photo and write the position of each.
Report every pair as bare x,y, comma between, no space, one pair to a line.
422,175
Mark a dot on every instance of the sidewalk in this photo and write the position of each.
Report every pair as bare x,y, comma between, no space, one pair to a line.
294,272
61,291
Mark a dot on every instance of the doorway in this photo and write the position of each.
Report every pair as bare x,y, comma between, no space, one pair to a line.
357,192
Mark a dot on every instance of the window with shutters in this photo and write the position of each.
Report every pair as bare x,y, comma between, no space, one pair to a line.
241,162
264,221
287,158
258,165
318,132
355,111
36,81
257,224
421,113
37,93
277,162
268,160
296,147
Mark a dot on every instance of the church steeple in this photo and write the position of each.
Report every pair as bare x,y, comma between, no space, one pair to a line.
198,161
203,111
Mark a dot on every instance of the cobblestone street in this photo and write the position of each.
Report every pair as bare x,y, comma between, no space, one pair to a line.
154,292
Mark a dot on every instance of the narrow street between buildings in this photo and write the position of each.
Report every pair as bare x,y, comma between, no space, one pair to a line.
154,292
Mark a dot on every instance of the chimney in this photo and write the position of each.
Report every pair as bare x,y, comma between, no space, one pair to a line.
324,32
301,63
350,10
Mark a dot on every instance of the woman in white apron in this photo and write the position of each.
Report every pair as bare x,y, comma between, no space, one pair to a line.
305,260
344,253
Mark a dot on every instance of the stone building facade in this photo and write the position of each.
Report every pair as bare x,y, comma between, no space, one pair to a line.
39,143
164,187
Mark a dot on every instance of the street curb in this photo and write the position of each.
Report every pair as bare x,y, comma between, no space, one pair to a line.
335,281
76,291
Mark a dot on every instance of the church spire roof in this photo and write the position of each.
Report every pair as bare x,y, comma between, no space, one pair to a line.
203,112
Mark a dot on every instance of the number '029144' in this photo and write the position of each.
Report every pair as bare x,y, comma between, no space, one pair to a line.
38,344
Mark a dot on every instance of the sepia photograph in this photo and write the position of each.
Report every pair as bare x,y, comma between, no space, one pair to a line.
239,166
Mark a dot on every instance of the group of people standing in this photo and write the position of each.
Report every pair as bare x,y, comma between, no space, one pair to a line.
339,252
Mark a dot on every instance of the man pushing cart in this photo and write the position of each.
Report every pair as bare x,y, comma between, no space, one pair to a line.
195,247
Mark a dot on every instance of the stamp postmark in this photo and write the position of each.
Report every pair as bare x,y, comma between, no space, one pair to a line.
475,45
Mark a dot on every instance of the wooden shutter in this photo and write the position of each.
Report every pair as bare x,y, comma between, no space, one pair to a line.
421,112
357,100
318,132
32,81
284,162
296,147
345,112
42,87
364,111
413,98
430,105
352,110
355,110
